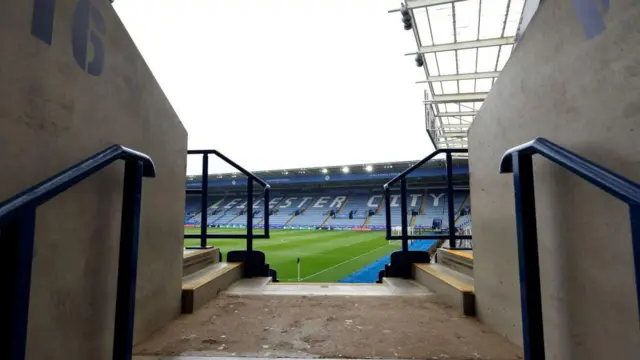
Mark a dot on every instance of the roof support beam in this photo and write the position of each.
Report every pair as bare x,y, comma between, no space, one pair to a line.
462,113
481,75
454,135
453,145
453,142
452,126
415,4
468,97
465,45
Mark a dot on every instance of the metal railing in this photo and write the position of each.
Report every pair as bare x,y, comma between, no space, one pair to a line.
402,177
519,162
204,192
17,235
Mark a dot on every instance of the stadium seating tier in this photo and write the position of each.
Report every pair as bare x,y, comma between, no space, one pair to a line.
336,208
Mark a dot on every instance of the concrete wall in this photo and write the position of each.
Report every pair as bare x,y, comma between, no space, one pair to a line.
54,113
528,11
581,90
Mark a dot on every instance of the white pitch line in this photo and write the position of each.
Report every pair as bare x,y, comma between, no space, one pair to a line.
342,263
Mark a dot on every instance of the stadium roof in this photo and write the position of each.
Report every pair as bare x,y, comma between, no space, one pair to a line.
463,45
328,170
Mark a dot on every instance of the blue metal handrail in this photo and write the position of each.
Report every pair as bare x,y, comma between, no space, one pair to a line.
50,188
402,177
17,236
204,192
616,185
518,161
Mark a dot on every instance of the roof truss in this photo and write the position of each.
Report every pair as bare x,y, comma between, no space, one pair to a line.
464,45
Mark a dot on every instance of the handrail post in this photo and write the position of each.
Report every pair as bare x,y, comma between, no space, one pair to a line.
18,236
634,213
17,230
451,215
204,201
387,210
128,261
518,160
249,215
403,211
452,236
528,262
266,211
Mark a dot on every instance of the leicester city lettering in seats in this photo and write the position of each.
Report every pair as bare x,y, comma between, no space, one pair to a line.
322,201
436,198
274,202
288,202
374,201
337,202
87,32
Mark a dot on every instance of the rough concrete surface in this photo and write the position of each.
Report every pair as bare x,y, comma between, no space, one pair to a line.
328,327
581,93
53,114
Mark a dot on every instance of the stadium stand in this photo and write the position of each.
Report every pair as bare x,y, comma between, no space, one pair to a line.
258,212
224,219
330,197
353,213
378,221
464,222
436,208
192,210
224,210
319,210
239,219
334,209
286,209
192,206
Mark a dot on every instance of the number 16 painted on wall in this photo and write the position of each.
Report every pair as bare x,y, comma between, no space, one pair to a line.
88,27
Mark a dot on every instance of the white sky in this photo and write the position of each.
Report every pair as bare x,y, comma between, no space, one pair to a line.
279,84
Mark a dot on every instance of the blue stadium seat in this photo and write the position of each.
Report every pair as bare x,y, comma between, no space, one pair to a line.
335,209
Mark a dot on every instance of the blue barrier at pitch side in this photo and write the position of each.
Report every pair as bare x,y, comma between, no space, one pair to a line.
369,273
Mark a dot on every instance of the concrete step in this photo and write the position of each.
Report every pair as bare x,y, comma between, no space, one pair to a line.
405,287
253,287
454,288
205,284
196,260
247,286
458,260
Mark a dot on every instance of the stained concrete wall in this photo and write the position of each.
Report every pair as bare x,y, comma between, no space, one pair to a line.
583,93
54,113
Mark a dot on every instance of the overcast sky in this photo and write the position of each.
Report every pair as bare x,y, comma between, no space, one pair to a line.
277,84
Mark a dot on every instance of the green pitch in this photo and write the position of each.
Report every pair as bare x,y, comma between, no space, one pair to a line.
325,256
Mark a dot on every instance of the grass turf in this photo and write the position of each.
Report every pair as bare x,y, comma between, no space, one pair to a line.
325,256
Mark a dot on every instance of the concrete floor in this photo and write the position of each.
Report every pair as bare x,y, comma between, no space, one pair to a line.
210,358
204,358
339,326
262,286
